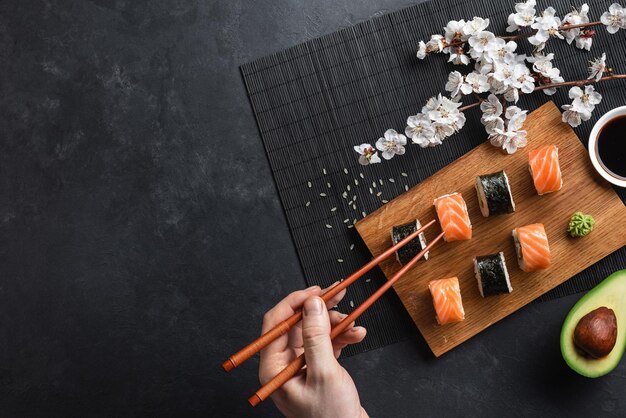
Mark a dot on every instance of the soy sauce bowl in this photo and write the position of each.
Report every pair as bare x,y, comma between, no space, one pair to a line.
593,146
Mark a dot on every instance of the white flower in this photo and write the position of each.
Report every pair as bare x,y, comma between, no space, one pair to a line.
420,130
393,143
547,25
442,131
574,115
454,29
523,79
458,57
500,50
447,112
421,51
513,137
475,25
475,82
493,124
577,17
455,84
542,63
515,117
524,16
584,40
614,19
480,42
368,155
435,45
511,95
586,100
552,75
491,108
597,67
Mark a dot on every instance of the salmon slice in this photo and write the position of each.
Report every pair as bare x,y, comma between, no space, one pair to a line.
531,244
544,167
447,300
453,217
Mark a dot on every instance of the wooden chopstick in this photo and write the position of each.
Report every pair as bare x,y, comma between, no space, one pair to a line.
296,365
283,327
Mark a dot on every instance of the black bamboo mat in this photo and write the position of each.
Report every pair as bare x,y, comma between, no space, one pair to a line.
315,101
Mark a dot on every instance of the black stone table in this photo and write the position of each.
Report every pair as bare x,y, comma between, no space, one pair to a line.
142,238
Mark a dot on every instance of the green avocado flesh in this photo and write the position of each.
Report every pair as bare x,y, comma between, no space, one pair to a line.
611,292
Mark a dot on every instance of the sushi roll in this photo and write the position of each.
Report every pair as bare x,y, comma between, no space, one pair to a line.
492,275
531,245
494,194
413,247
453,217
447,301
543,164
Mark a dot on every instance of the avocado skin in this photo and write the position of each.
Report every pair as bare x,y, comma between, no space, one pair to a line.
611,293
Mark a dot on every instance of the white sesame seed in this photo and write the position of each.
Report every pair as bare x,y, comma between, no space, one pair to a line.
353,221
351,247
385,201
345,170
379,193
362,176
392,180
354,198
328,185
354,207
323,194
380,181
356,182
309,183
345,221
324,171
308,203
371,191
329,226
374,184
348,187
368,280
333,209
364,214
352,303
340,260
404,174
344,195
350,226
406,187
349,203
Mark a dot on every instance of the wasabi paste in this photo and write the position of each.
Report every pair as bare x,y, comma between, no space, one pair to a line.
580,225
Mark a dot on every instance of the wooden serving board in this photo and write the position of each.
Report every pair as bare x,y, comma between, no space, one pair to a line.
583,190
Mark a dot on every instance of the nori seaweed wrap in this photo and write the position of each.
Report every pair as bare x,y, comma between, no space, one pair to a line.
492,275
494,194
413,247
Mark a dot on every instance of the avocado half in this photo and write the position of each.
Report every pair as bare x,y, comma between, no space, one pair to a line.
611,292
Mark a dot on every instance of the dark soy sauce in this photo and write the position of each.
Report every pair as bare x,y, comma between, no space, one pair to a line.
611,147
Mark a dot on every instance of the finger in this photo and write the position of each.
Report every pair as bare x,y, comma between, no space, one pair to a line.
295,333
352,336
287,307
335,299
318,349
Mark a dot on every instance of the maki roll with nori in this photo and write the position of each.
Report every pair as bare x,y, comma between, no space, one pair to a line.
494,194
413,247
492,275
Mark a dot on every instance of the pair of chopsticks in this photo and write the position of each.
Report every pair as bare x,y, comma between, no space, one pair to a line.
282,328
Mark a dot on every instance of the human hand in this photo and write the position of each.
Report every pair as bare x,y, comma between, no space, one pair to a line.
326,389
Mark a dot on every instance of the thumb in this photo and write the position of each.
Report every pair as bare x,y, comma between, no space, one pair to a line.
318,348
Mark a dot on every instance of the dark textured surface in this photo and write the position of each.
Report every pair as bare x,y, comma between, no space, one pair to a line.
142,237
315,101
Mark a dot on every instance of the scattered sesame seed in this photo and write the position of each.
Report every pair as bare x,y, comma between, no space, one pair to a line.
392,180
351,247
340,260
379,193
385,201
406,187
350,226
308,203
362,176
354,198
344,195
368,280
371,191
324,171
323,194
333,209
329,226
404,174
352,303
345,170
345,221
364,214
380,181
349,203
309,183
374,184
353,221
348,187
356,182
354,207
328,185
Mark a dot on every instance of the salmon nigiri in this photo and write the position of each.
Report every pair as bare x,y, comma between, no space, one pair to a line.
544,167
531,244
453,217
447,300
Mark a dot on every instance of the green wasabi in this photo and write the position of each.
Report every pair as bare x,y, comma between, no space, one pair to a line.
580,225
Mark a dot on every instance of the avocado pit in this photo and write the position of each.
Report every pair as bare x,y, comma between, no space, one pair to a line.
595,334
